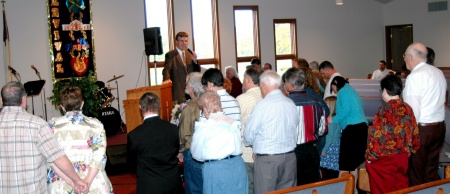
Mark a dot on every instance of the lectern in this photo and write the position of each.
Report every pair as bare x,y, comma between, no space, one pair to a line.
131,104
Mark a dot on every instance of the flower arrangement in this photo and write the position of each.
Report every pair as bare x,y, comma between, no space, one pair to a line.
176,111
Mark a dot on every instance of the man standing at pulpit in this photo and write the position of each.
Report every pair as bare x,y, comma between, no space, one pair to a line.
177,65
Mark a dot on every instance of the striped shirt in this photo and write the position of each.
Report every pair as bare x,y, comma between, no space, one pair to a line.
26,145
312,123
272,126
247,102
230,105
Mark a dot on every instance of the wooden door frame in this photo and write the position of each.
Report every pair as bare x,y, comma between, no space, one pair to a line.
388,34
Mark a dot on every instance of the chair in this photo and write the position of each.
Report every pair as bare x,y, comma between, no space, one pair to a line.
344,184
363,180
438,186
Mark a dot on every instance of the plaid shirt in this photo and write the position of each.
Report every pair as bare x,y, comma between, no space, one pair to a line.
26,145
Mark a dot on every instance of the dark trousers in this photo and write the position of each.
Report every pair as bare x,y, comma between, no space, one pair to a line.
192,174
308,162
423,164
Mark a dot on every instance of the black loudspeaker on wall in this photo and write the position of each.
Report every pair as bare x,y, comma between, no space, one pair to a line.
153,43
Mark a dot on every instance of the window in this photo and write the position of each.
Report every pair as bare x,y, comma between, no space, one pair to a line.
205,32
158,13
285,44
246,26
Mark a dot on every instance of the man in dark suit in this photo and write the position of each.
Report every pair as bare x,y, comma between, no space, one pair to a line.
152,148
177,65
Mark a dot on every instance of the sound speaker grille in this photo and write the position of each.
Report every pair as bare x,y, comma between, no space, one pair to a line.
153,43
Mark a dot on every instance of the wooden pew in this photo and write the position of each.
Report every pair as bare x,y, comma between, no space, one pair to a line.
344,184
369,91
440,186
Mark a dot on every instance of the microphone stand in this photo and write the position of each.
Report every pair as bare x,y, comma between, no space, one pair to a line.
17,76
118,106
45,102
156,79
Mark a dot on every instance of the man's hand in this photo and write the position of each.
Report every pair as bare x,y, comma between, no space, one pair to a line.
194,56
180,157
167,81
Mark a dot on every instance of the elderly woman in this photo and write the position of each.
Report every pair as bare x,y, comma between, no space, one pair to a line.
350,117
217,143
393,136
236,84
83,140
190,114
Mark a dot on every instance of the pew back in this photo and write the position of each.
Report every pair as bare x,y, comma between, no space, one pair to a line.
427,188
344,184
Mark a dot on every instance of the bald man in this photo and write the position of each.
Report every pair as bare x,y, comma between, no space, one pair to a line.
425,92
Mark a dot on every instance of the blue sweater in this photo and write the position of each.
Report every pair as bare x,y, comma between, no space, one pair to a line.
349,107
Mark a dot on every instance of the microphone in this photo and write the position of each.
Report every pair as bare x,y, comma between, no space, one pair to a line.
33,67
188,49
13,71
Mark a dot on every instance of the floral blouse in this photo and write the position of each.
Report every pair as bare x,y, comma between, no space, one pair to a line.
394,131
83,140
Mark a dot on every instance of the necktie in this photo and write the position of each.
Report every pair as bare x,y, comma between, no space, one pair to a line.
184,59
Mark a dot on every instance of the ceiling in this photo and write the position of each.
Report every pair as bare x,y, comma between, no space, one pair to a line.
384,1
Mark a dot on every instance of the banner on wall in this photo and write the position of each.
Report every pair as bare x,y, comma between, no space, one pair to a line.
71,38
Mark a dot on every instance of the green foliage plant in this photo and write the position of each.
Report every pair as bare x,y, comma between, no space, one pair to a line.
89,89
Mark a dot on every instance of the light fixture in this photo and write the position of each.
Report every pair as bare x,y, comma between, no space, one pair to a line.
339,2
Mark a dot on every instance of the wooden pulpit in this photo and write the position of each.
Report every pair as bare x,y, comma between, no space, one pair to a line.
131,104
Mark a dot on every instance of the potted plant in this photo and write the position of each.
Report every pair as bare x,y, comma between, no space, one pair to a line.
88,87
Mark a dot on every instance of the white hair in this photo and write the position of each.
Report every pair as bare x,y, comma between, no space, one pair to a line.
194,80
270,78
232,71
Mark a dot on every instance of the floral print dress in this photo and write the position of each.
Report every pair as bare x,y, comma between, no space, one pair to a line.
83,140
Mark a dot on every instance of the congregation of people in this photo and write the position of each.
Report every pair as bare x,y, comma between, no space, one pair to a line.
264,133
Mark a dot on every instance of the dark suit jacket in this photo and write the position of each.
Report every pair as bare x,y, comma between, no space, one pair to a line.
154,146
175,71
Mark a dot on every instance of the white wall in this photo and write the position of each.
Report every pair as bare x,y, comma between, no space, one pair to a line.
350,36
432,29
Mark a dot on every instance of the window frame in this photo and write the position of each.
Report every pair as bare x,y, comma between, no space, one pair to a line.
171,37
216,36
256,35
294,51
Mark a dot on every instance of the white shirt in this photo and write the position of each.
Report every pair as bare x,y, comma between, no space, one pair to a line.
247,102
230,105
425,91
272,126
181,53
378,74
216,138
327,92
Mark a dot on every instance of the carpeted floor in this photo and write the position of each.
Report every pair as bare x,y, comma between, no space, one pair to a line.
123,183
116,168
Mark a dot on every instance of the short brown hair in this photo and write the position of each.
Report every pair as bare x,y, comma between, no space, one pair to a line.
181,34
71,98
302,62
149,102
